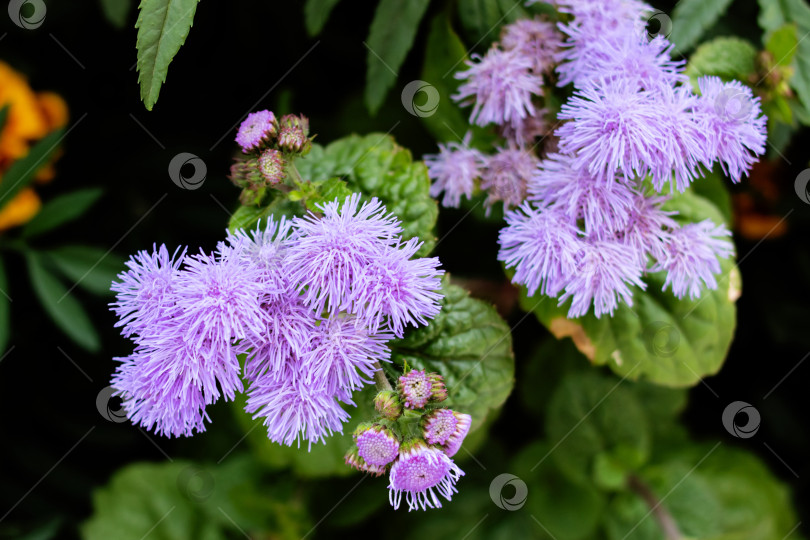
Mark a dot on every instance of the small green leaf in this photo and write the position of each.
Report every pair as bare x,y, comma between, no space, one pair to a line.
725,57
116,11
774,14
483,19
316,13
782,44
247,217
61,210
691,19
5,305
61,306
388,44
88,267
22,171
163,26
471,346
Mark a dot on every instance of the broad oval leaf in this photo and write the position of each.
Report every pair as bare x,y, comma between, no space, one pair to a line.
725,57
691,19
61,210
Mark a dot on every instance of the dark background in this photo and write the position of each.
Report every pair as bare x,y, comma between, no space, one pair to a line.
237,52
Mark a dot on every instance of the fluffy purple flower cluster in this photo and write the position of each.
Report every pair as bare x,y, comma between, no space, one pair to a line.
416,455
310,303
589,224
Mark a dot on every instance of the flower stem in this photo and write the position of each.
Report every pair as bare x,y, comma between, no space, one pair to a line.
380,380
661,514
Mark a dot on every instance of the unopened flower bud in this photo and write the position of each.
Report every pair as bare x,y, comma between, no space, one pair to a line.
353,460
245,172
271,165
457,437
415,388
439,425
388,404
438,392
377,445
293,134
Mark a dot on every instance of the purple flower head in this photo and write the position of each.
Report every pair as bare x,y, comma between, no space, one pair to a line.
415,388
293,410
342,355
604,274
690,257
258,129
542,246
420,472
603,207
453,171
271,165
395,289
648,227
264,248
331,251
456,439
500,87
733,120
524,132
376,445
438,425
536,39
388,404
145,292
353,460
506,174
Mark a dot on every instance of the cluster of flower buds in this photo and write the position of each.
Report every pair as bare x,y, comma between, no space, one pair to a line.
268,145
413,440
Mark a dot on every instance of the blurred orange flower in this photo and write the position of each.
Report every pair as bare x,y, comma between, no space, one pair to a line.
31,116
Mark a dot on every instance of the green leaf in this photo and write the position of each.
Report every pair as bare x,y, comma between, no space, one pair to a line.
316,13
22,171
388,44
378,167
116,11
471,346
782,44
163,26
593,418
713,188
61,210
5,305
88,267
483,19
725,57
61,306
776,13
691,19
247,217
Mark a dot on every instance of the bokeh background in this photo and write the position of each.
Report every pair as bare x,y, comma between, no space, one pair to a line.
239,57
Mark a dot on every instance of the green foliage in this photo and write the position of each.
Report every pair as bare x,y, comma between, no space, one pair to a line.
316,13
116,11
483,19
773,15
3,116
726,57
471,346
163,26
782,44
388,44
91,268
22,171
61,305
61,210
5,305
691,19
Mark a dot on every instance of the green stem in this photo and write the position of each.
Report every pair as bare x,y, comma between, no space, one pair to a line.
661,514
380,380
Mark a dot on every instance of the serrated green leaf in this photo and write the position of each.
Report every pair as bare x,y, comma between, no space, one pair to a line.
61,210
61,306
471,346
116,11
88,267
725,57
388,44
5,305
316,13
691,19
247,217
163,26
22,171
378,167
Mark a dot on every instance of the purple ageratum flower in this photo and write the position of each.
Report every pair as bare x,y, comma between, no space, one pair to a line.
256,130
415,388
438,425
353,460
420,473
602,207
506,175
690,258
264,248
542,246
526,131
342,354
500,87
733,120
377,445
592,18
293,410
456,439
398,290
331,251
604,274
648,227
536,39
453,171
